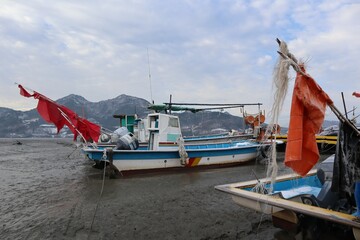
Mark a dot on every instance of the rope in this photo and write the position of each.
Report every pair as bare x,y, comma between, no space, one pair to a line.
76,148
101,192
280,88
182,152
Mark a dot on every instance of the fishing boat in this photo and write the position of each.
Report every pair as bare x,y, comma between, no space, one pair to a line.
326,143
139,126
316,198
166,150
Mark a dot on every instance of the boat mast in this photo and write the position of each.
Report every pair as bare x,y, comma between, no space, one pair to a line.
151,96
170,104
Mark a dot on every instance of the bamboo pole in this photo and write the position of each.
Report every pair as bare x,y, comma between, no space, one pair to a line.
294,63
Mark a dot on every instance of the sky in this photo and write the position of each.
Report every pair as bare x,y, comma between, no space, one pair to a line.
204,51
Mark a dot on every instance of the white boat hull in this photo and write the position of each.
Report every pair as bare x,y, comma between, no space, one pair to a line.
284,209
141,164
129,160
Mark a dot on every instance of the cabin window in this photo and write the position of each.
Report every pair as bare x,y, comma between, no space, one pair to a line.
173,122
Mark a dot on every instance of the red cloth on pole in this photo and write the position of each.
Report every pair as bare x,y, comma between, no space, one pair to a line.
306,118
356,94
23,92
88,129
53,112
49,111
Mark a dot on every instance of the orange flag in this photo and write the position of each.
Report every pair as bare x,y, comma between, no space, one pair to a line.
306,118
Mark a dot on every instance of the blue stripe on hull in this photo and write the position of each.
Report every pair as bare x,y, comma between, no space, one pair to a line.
151,155
221,152
135,155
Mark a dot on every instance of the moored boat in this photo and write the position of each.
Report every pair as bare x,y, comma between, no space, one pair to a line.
166,150
304,206
140,126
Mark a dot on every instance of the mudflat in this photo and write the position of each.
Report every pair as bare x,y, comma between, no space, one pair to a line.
50,191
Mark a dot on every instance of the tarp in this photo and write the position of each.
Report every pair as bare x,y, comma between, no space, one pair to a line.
60,116
166,107
306,117
346,163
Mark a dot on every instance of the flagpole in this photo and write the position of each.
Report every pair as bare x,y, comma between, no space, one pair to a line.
24,87
294,63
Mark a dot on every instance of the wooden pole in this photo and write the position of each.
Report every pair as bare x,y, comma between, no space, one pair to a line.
343,100
296,67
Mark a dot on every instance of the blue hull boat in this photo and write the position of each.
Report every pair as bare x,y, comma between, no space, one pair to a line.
297,200
170,156
167,149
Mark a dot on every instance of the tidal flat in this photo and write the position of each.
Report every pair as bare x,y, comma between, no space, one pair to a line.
49,190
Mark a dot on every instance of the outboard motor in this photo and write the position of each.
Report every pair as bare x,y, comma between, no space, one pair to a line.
326,198
105,138
118,133
312,227
127,142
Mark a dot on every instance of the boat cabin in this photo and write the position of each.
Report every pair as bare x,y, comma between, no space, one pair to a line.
164,131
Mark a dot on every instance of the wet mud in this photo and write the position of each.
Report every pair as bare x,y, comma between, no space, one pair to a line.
49,190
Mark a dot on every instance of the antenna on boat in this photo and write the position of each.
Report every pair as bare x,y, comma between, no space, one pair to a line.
152,100
170,104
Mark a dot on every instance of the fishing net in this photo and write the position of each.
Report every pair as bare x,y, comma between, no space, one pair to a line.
280,87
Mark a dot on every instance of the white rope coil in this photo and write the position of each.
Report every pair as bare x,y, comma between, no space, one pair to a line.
182,152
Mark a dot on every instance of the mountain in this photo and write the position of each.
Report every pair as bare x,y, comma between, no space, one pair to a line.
30,124
102,112
207,122
12,121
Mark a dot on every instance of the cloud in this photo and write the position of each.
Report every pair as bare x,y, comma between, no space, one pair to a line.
199,51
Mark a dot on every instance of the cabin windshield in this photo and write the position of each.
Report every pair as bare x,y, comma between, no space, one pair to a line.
173,122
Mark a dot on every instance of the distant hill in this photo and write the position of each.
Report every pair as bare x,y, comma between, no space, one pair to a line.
30,124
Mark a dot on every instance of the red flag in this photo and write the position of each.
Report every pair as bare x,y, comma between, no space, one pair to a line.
23,92
306,117
356,94
49,111
88,129
60,116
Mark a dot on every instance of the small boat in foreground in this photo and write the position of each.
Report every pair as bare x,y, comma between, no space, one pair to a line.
300,205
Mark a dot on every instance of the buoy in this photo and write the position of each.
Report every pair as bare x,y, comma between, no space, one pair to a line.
249,119
261,117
